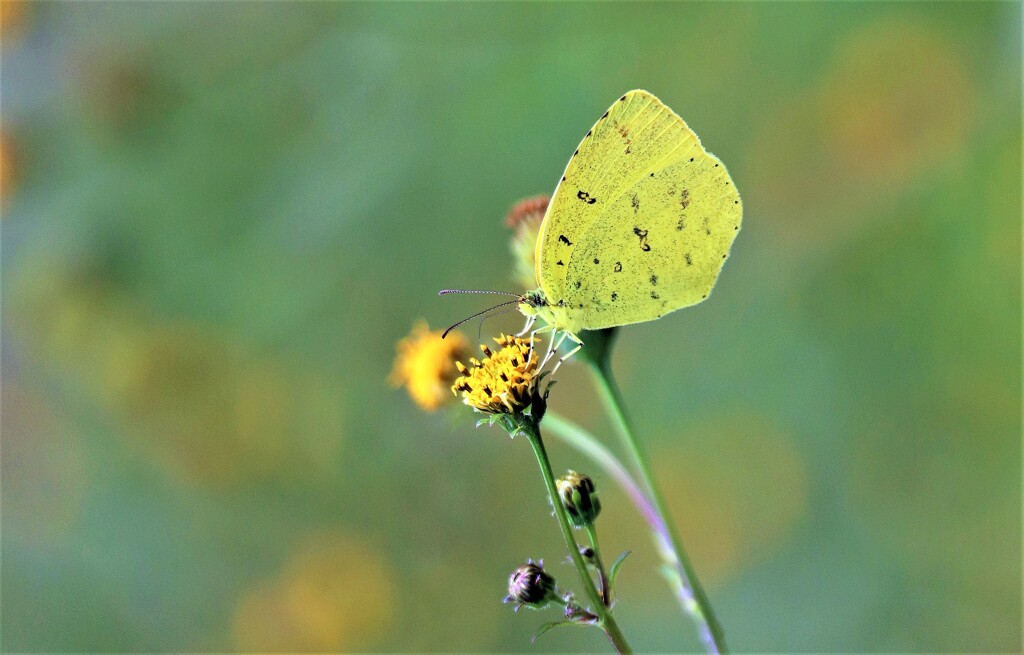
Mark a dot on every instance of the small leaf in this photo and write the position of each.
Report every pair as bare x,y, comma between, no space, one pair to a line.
614,570
547,626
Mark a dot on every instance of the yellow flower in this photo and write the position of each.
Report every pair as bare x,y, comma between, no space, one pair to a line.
425,365
504,382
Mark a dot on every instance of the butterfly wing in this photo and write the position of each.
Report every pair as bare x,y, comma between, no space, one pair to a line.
640,223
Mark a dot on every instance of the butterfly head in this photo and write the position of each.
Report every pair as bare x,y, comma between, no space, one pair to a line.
533,304
536,305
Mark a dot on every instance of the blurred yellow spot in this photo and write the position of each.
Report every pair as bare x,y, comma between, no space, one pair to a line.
736,493
897,100
335,593
8,166
12,17
425,365
188,398
504,381
894,103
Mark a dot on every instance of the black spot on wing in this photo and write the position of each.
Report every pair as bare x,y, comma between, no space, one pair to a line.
618,267
642,234
654,280
655,296
689,259
585,197
596,260
559,263
564,239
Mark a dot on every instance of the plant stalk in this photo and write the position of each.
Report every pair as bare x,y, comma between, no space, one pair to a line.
530,428
691,594
606,589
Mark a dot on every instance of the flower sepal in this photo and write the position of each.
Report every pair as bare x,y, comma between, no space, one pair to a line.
511,423
539,401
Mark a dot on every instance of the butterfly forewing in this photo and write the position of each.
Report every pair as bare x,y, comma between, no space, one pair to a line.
642,221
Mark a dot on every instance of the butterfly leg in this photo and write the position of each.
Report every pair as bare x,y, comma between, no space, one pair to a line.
529,324
579,344
553,348
533,337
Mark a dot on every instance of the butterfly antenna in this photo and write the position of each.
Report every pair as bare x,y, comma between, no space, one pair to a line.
480,327
510,302
445,292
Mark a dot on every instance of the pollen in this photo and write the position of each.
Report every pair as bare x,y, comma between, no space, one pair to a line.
504,382
425,364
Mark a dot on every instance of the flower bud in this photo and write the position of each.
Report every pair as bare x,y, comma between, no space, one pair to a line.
529,585
587,553
579,498
526,218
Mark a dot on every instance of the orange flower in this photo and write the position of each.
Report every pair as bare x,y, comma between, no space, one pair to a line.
425,365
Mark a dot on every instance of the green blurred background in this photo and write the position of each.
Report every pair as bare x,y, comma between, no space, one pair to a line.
218,219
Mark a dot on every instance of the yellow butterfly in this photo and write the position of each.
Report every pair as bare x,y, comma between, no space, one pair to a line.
639,225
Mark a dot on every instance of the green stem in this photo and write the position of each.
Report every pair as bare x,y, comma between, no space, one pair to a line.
606,590
530,428
692,597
